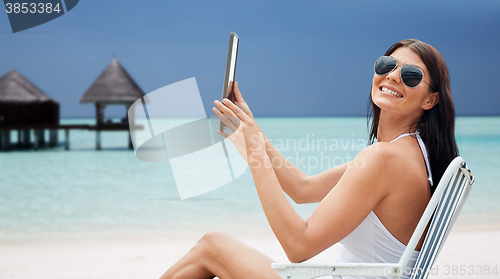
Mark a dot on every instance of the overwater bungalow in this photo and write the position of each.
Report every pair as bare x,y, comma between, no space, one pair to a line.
113,87
24,108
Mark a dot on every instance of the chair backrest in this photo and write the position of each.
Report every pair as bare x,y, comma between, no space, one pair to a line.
444,207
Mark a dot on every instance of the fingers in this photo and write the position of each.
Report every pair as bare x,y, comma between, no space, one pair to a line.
228,112
236,110
231,122
237,93
224,109
224,134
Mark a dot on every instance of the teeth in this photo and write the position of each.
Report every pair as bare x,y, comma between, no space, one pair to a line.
391,92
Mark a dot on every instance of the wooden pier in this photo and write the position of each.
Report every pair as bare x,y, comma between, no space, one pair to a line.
25,108
38,132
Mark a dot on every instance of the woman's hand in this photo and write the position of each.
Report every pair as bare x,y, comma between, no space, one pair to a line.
253,137
238,99
233,123
246,134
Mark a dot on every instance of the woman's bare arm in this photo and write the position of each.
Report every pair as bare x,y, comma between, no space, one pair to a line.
301,187
294,182
360,189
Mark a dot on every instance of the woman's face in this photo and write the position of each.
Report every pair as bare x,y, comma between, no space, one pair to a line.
409,101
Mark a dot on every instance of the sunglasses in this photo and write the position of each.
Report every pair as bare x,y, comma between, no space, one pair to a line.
410,74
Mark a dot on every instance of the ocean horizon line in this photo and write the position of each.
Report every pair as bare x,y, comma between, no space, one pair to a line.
289,116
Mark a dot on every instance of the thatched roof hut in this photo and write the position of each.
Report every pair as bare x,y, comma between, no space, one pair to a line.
113,86
23,103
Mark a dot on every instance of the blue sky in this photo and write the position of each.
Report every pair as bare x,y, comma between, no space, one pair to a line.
296,58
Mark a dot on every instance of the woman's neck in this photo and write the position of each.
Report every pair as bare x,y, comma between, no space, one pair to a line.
392,125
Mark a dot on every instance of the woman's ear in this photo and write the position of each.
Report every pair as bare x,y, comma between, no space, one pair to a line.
430,101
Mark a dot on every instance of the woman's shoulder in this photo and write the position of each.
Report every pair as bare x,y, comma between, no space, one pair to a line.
379,167
402,161
384,152
389,157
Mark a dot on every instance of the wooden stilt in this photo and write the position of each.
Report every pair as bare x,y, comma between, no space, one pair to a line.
66,138
130,145
36,139
7,139
42,137
26,139
98,140
53,135
19,137
131,121
6,143
3,140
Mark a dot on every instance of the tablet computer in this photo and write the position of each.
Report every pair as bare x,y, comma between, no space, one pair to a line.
232,54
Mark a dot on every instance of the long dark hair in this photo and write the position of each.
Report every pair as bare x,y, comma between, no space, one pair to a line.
437,125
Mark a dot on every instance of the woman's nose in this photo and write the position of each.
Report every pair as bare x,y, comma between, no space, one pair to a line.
395,75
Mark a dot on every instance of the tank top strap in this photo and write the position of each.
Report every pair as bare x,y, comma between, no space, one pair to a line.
426,158
403,135
424,152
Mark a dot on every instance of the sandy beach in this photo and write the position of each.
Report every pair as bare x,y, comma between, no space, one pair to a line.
148,256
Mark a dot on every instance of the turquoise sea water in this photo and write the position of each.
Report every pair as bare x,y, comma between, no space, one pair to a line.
82,191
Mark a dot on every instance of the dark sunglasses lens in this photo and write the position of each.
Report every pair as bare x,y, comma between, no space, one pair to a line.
384,65
411,75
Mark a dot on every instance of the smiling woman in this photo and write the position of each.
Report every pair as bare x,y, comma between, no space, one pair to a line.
436,125
372,204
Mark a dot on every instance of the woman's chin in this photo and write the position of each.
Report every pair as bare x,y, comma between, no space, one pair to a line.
383,104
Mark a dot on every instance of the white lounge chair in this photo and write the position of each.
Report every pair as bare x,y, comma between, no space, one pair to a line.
444,208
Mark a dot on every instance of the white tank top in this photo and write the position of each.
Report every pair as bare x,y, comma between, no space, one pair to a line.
424,153
371,242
